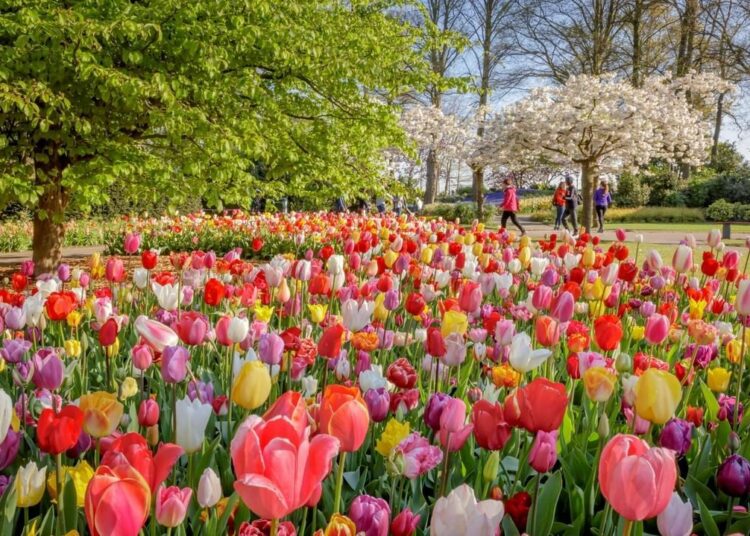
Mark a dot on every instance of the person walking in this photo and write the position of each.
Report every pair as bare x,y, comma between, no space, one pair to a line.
558,201
380,204
571,206
510,206
602,201
340,205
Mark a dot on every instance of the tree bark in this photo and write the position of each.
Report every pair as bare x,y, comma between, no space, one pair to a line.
717,128
431,186
49,229
477,179
589,176
636,54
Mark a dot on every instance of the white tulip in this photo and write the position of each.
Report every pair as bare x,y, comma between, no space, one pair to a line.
6,414
167,295
522,357
357,316
140,277
209,489
192,419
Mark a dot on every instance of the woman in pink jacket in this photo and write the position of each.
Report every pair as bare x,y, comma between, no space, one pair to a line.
510,207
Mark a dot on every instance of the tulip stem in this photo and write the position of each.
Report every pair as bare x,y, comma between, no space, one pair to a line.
274,527
339,482
627,527
446,466
730,514
739,378
535,504
58,475
174,412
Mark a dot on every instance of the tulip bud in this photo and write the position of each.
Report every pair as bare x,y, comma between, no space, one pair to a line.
209,489
733,441
603,427
624,363
148,413
491,466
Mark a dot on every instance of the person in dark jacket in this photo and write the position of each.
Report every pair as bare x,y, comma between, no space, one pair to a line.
571,205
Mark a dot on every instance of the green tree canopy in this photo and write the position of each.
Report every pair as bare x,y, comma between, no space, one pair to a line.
182,99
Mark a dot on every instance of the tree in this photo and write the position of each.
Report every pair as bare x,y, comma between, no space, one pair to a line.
601,124
182,99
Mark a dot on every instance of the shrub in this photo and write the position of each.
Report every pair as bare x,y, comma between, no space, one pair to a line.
466,212
639,215
631,192
721,210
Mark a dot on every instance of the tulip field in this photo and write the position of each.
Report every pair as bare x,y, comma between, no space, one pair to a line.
344,374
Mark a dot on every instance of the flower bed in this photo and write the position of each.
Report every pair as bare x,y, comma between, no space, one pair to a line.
380,376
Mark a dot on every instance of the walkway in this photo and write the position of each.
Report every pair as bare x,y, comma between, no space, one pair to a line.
72,253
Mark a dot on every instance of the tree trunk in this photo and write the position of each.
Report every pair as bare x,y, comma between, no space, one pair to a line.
589,176
477,179
430,191
636,55
49,229
717,128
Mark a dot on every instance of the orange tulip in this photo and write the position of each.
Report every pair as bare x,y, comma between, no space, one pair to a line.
117,499
343,414
547,331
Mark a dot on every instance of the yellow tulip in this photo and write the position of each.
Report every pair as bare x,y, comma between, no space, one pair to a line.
476,249
637,333
263,313
74,319
393,434
30,485
599,383
80,475
696,309
596,308
524,242
380,312
734,351
480,227
657,393
718,379
426,255
524,255
505,376
252,385
454,322
469,239
390,257
72,348
101,413
128,388
589,257
340,525
317,312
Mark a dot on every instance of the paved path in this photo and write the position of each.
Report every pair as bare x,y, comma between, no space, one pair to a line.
72,253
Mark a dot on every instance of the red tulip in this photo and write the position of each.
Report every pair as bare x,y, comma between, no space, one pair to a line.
108,332
214,292
607,332
547,331
491,430
149,259
539,405
329,344
320,285
343,414
402,374
292,406
415,303
58,432
627,271
153,468
435,344
60,304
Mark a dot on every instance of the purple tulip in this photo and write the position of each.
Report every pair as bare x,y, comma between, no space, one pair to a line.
543,455
48,369
15,318
647,309
27,268
9,448
550,277
200,390
81,447
5,481
378,402
677,435
174,363
727,410
371,516
733,476
14,350
392,299
434,410
63,272
23,372
363,362
270,348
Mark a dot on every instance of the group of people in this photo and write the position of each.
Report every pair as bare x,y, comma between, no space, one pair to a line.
565,200
363,205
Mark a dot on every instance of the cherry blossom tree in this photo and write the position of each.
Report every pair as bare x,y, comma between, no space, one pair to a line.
603,124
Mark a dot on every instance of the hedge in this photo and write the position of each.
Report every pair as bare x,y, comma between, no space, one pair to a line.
637,215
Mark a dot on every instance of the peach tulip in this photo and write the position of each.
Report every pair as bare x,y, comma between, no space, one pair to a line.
636,480
278,470
117,500
343,414
291,405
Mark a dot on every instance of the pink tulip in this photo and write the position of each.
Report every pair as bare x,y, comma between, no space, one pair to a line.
682,260
504,331
270,348
416,455
172,504
132,243
278,470
563,307
636,480
714,238
620,234
654,261
142,356
742,301
470,297
543,455
115,270
541,299
292,406
453,428
460,513
677,518
657,328
155,333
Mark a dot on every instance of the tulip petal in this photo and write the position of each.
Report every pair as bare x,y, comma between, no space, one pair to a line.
165,458
122,509
262,496
323,448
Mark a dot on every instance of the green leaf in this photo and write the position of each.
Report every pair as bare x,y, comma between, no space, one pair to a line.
546,504
707,519
712,405
228,510
9,511
509,528
69,502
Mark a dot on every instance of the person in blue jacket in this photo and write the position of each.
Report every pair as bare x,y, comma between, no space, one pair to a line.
602,201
